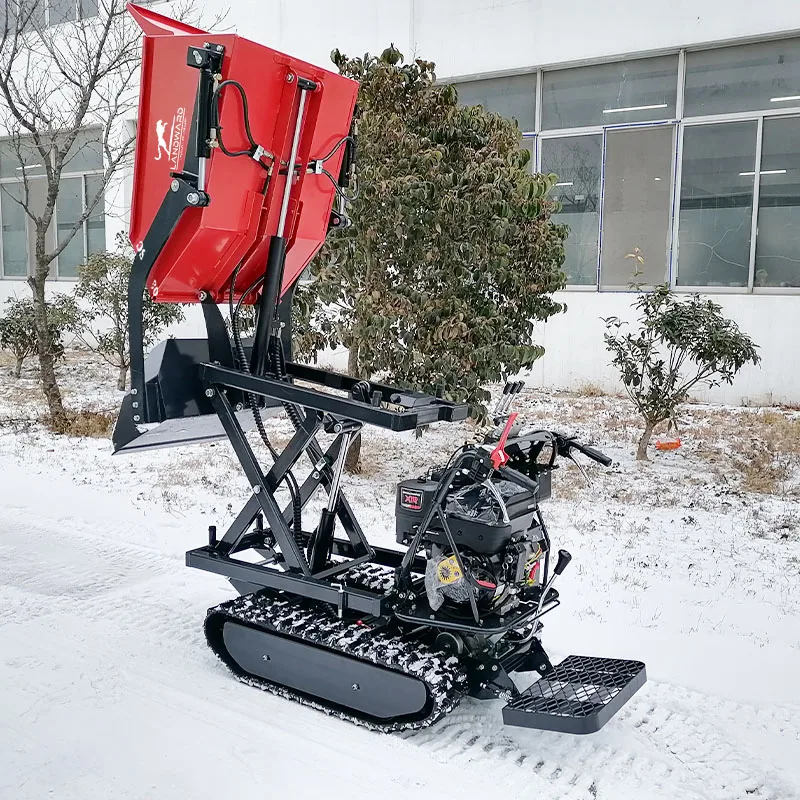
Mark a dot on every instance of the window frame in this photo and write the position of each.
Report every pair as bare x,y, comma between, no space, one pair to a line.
680,122
55,272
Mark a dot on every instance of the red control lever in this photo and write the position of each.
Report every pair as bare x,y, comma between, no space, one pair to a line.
498,455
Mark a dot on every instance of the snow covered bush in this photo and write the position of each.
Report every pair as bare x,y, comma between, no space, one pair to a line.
18,328
678,345
102,322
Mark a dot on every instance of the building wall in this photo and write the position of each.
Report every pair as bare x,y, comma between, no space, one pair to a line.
476,37
466,37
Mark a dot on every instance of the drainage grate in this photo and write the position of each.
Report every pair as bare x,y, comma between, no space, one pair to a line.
579,696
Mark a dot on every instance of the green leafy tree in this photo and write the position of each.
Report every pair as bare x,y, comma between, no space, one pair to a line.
102,321
451,259
678,344
18,328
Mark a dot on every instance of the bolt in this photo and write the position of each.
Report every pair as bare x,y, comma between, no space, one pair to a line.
202,296
193,198
136,417
356,687
256,490
135,405
240,406
134,391
289,77
433,616
337,428
480,666
175,185
209,392
316,475
494,668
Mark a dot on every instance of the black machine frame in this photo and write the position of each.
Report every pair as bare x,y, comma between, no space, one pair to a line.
224,381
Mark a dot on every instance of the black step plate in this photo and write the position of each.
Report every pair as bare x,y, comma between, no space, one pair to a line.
333,677
580,695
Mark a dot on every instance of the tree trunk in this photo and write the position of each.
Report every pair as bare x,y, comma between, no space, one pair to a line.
122,378
352,462
641,453
18,367
47,362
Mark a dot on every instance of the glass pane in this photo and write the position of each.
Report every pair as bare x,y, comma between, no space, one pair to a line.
577,160
514,96
608,94
69,207
31,14
716,208
636,206
37,199
778,242
88,8
529,143
17,155
61,11
743,78
86,152
15,239
96,224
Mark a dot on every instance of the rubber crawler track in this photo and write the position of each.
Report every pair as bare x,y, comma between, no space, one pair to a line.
314,623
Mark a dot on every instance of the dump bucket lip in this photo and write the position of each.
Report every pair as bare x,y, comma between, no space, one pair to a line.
154,24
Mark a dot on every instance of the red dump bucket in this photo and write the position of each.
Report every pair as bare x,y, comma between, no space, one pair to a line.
208,243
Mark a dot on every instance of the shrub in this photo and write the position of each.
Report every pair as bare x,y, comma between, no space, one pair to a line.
102,324
18,328
678,345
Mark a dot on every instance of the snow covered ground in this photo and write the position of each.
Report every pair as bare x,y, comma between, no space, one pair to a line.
108,690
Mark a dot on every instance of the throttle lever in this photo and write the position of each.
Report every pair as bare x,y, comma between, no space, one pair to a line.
564,557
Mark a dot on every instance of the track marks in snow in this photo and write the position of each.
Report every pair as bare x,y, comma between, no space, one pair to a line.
668,742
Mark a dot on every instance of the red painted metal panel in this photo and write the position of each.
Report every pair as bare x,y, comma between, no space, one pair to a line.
208,243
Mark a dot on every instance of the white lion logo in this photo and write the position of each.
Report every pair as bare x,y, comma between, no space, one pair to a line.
161,127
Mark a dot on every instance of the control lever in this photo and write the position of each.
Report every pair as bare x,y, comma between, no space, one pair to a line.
564,557
503,399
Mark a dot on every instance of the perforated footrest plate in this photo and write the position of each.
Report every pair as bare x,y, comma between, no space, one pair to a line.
580,695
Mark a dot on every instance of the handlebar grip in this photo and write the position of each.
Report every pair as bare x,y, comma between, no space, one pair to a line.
595,455
513,476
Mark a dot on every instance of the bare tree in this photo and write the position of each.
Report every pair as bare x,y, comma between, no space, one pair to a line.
66,66
56,81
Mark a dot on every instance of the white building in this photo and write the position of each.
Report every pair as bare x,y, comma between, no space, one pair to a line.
674,127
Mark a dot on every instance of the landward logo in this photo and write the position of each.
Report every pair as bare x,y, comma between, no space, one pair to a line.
177,131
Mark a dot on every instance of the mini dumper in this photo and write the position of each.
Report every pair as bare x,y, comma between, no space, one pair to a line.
244,161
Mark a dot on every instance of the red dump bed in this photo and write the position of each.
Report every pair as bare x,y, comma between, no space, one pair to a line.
208,243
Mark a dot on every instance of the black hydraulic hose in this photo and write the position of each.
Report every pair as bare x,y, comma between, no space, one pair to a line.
215,120
252,402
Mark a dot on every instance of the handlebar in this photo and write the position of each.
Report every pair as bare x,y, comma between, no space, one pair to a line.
591,452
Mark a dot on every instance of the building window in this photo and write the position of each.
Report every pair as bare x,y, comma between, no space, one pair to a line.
749,77
513,97
81,184
14,231
44,13
716,204
729,220
610,94
637,200
577,160
777,261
